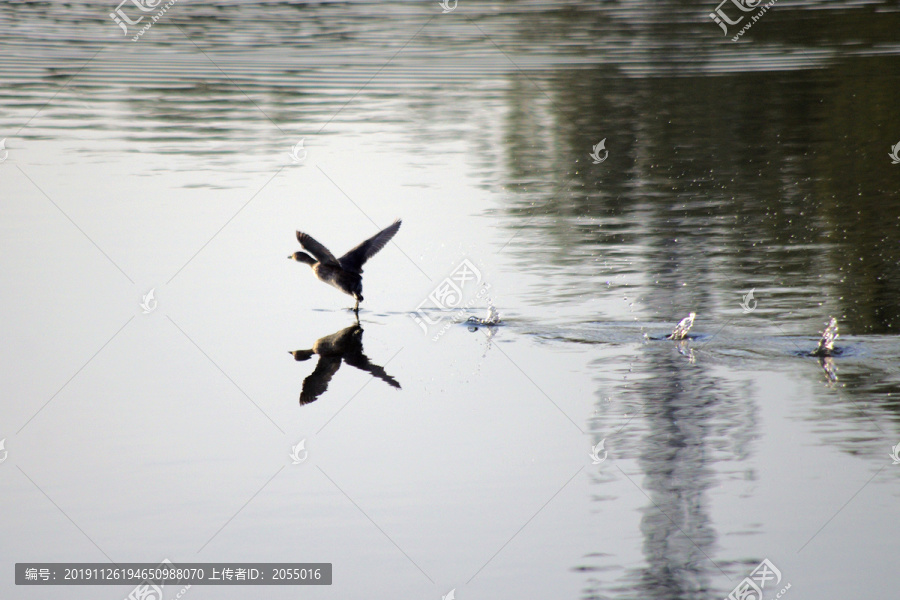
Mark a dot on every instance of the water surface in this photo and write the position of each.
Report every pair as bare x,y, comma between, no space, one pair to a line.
166,164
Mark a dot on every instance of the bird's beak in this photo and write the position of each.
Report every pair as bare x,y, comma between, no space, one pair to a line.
290,257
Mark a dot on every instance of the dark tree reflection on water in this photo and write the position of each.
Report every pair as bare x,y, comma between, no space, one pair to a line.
770,174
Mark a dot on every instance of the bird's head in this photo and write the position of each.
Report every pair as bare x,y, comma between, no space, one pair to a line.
300,355
302,257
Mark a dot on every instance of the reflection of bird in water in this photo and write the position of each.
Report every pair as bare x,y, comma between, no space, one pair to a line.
344,273
344,345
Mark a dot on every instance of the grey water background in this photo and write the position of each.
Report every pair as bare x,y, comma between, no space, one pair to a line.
165,164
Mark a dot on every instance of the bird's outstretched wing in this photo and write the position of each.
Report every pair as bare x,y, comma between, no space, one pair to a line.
316,384
319,251
356,258
362,362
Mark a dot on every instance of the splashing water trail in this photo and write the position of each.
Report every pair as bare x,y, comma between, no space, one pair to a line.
826,343
682,328
492,317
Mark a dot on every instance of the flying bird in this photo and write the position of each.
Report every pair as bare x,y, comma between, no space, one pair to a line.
344,273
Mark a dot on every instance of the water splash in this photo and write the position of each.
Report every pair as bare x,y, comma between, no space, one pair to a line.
492,317
681,330
826,342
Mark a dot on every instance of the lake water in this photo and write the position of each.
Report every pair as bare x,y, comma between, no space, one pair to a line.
568,452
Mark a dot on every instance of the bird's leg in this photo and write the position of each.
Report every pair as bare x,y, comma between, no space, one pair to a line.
356,307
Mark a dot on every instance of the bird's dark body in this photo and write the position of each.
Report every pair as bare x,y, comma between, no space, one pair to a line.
347,282
344,273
